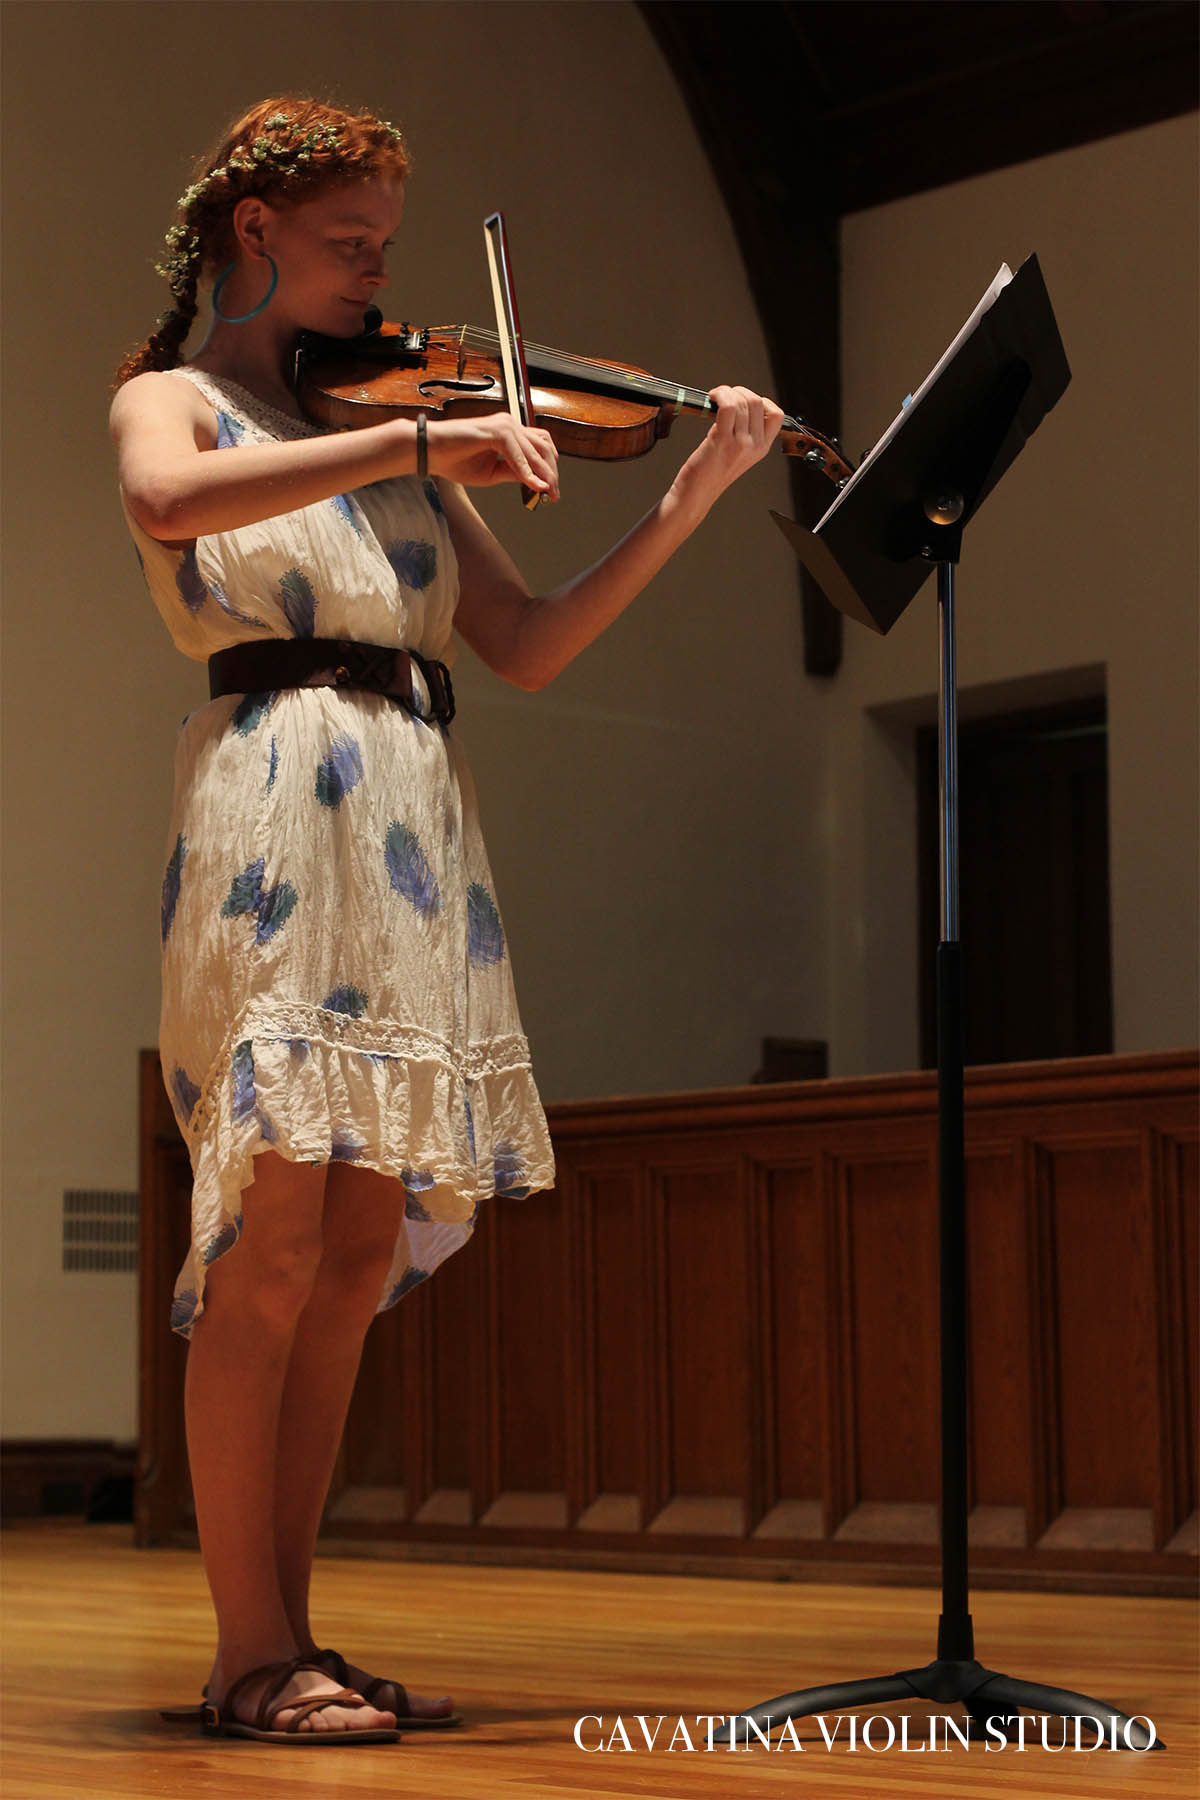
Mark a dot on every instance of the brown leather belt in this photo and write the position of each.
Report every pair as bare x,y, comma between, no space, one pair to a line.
330,662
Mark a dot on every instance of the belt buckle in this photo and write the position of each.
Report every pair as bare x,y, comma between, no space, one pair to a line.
347,671
441,694
367,666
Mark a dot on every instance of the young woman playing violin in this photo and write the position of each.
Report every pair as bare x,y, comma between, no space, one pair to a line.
339,1034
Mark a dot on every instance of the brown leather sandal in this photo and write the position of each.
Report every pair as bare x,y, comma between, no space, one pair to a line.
222,1721
334,1664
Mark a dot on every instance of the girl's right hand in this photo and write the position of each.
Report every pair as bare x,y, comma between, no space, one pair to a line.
484,452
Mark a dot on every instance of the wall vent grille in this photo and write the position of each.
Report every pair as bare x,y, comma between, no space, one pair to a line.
100,1230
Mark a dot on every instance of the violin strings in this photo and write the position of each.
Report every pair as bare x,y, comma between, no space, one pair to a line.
479,338
581,366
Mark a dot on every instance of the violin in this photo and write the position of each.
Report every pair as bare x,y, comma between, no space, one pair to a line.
595,408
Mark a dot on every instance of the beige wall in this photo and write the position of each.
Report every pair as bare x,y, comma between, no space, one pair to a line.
678,875
1084,556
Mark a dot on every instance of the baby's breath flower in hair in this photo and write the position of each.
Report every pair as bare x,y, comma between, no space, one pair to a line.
176,266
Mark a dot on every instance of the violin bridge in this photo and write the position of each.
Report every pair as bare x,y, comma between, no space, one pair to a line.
462,351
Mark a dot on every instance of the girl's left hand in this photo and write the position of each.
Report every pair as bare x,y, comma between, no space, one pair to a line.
746,426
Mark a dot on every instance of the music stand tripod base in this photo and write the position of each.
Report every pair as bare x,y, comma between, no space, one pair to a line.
870,555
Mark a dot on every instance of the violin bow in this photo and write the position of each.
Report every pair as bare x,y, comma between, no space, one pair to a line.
508,330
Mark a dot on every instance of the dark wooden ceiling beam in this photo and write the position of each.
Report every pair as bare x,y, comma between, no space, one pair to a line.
809,109
1054,78
772,172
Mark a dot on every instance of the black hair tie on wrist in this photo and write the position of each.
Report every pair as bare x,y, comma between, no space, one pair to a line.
422,446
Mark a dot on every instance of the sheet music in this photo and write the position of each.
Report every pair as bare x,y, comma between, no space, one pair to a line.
1000,282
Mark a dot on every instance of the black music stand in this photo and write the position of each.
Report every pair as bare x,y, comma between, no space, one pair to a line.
904,508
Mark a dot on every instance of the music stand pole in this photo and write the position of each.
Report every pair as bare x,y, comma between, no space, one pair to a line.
929,476
955,1634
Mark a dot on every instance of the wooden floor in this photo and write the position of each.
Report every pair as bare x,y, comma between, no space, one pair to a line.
98,1635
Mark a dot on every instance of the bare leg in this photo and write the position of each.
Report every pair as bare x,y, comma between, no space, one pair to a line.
237,1359
363,1214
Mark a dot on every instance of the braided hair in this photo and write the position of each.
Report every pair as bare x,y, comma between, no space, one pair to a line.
284,151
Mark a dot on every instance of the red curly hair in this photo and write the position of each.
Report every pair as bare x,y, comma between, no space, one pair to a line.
285,150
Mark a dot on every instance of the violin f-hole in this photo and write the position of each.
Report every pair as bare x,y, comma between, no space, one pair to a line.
427,389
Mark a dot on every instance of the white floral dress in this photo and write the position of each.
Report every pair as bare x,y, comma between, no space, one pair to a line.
336,983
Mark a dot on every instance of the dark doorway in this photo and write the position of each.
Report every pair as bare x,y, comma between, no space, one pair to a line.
1033,885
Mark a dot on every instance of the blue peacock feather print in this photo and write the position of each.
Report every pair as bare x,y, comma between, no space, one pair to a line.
245,892
250,711
347,1146
273,765
343,504
276,908
230,432
485,934
339,772
194,590
507,1171
170,886
235,612
416,1181
185,1094
470,1127
245,1099
225,1239
434,498
298,1049
408,870
190,582
183,1311
414,562
299,603
410,1279
347,999
271,907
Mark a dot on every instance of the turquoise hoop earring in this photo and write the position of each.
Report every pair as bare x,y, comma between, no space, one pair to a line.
240,318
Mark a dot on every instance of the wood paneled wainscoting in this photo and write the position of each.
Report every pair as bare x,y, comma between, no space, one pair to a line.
713,1346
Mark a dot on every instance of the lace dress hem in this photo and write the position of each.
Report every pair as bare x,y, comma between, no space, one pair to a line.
467,1133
